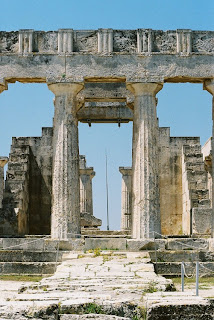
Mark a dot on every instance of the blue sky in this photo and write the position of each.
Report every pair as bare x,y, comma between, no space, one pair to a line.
25,108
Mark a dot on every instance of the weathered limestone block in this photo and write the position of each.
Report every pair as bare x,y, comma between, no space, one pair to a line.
184,41
26,41
145,202
105,41
201,221
65,41
144,41
65,218
3,162
105,243
126,198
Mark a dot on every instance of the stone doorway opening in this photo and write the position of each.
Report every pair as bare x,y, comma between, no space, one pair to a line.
95,142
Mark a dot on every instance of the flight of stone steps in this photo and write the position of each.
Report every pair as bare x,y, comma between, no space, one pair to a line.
103,285
196,197
167,260
33,256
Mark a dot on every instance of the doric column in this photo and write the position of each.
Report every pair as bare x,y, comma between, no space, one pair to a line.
65,219
126,198
145,186
209,86
86,175
3,162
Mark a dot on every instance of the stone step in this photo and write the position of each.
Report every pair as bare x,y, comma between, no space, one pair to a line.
192,148
197,185
14,166
36,268
197,175
20,150
175,256
205,203
16,158
174,268
40,243
193,157
194,166
199,194
29,256
187,244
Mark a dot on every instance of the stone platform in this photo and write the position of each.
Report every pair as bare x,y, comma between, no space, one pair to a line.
102,285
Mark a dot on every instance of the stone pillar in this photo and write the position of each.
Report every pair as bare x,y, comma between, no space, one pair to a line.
126,198
209,86
3,162
86,175
145,186
65,218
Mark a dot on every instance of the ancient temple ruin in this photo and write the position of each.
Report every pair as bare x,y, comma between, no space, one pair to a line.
105,76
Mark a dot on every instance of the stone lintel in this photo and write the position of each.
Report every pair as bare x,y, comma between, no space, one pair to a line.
115,114
3,161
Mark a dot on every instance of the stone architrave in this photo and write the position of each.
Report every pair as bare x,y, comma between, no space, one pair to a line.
3,162
65,217
209,86
86,175
145,186
126,198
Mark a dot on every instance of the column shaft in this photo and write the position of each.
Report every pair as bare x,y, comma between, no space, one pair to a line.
209,86
65,220
126,198
145,188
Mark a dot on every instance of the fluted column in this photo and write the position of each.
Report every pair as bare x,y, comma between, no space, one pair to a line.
86,199
65,218
209,86
126,198
3,162
145,186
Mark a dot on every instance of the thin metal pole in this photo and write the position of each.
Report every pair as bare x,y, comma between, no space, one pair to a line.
197,277
182,276
107,191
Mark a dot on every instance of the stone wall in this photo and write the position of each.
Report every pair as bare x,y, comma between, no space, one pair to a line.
170,168
27,195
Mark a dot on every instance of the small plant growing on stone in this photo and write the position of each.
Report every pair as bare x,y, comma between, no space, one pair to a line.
93,308
152,287
97,252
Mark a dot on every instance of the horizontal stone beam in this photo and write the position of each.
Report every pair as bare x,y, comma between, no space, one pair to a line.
132,68
105,114
105,92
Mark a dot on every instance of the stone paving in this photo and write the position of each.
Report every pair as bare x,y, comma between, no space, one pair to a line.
119,282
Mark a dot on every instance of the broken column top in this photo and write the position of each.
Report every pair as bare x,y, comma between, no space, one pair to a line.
125,170
3,161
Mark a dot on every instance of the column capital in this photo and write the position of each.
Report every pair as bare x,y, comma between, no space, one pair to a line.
143,88
3,161
3,85
125,171
209,86
60,89
88,171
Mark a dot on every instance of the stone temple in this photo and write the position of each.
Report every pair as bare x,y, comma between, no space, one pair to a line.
105,76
